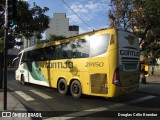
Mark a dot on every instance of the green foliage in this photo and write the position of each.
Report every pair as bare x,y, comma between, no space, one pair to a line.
29,21
142,17
56,37
51,38
120,14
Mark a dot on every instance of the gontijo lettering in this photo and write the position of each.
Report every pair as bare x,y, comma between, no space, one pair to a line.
57,65
129,53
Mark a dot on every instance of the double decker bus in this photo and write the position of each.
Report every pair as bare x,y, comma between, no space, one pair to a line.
99,63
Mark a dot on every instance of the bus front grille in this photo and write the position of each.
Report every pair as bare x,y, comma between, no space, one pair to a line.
99,83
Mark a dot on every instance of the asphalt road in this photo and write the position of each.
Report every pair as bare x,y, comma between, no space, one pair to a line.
53,105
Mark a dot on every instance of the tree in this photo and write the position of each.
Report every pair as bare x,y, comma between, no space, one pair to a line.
30,21
120,14
51,38
148,25
142,17
56,37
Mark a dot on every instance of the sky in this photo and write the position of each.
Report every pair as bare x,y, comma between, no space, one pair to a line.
94,13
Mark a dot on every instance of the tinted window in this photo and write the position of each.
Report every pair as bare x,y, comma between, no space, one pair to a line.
80,48
98,44
67,51
59,52
34,55
38,55
83,48
25,57
49,53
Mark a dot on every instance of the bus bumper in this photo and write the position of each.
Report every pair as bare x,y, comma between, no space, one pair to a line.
124,90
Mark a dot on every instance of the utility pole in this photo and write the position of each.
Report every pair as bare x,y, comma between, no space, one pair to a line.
10,16
1,70
5,57
2,10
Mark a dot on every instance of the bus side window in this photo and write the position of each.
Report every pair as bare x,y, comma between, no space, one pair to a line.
41,55
63,51
80,48
33,55
59,52
67,51
29,56
49,53
74,50
83,48
37,55
99,44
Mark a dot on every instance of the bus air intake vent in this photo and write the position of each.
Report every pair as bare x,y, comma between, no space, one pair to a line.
99,83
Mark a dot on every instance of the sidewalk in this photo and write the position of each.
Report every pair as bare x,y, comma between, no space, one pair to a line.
12,105
152,87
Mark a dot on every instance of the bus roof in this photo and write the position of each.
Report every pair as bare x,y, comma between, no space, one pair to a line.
43,45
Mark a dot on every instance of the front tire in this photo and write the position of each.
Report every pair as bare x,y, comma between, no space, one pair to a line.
62,86
76,89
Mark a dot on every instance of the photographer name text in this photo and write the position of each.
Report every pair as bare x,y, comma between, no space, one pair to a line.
137,115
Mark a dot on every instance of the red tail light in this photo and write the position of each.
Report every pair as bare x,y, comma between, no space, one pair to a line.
116,77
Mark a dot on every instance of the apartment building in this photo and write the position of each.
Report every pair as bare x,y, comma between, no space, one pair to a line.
59,25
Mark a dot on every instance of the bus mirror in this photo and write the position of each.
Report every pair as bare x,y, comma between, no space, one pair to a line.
15,61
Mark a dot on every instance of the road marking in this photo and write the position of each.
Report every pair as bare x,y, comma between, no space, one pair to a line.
24,96
10,88
91,111
141,99
142,86
41,94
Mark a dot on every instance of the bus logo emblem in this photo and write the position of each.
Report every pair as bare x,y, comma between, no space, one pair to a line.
130,39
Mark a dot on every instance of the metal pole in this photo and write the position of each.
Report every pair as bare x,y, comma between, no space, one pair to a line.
1,56
1,70
5,57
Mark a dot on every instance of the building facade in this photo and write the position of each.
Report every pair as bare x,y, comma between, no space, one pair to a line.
59,25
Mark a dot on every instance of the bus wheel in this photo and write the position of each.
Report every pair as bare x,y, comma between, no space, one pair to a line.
62,86
76,89
22,80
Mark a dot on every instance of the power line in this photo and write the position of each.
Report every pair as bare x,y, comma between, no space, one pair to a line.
76,14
